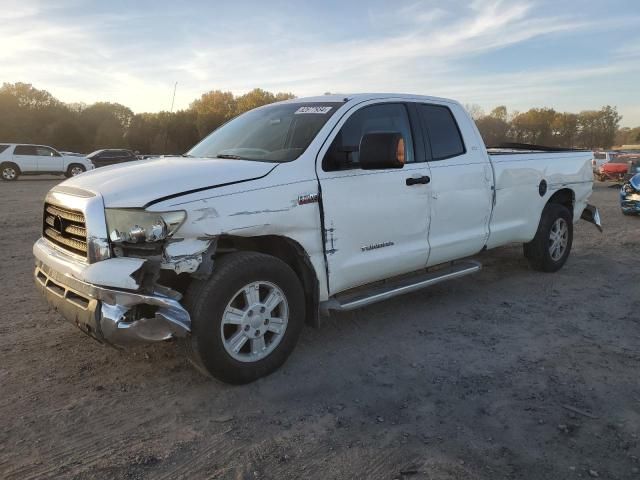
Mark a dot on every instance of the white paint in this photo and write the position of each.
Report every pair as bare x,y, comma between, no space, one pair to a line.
114,272
134,184
412,226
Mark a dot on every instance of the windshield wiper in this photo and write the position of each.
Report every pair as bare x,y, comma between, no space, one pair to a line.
228,156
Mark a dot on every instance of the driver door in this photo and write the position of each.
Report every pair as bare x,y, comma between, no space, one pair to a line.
375,221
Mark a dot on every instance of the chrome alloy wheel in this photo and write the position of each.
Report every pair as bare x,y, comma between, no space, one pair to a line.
558,239
9,173
76,171
254,321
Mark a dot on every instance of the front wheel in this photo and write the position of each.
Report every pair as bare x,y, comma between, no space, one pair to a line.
549,249
246,319
74,170
9,172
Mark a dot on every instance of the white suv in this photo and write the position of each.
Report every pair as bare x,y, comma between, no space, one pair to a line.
24,159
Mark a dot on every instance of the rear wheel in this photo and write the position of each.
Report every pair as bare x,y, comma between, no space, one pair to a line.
74,170
9,171
550,248
246,319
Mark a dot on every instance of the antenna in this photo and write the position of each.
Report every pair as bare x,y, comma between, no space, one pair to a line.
173,99
166,132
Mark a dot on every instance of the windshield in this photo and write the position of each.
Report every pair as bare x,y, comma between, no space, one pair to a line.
275,133
92,154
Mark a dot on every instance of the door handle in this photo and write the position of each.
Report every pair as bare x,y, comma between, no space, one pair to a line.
418,180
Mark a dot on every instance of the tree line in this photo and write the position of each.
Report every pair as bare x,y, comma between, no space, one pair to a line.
591,129
30,115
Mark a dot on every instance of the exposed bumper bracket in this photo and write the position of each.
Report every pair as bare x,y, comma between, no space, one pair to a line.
591,215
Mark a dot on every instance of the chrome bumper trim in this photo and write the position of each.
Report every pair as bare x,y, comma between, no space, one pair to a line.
110,315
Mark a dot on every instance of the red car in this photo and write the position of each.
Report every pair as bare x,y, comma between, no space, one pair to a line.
621,167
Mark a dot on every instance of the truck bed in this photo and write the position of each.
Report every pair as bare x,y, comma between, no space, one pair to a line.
522,177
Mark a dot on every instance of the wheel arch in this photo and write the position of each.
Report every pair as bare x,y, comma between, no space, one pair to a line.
290,252
12,163
73,164
564,196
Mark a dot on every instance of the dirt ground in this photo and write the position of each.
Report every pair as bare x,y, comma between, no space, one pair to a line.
506,374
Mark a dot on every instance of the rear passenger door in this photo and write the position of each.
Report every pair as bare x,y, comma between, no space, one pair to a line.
26,157
461,184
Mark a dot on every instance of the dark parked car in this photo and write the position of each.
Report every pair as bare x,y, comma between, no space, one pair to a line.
110,156
630,196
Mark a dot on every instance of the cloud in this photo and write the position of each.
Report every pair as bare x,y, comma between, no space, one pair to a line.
134,57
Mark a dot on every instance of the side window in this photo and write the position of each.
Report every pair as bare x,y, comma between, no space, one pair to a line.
343,154
25,150
45,152
444,134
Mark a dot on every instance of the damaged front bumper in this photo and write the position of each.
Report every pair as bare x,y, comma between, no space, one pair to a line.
119,317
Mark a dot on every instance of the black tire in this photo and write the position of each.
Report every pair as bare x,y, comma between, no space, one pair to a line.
537,250
9,171
72,168
207,300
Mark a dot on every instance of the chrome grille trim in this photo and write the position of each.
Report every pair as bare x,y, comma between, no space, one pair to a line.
66,214
66,229
78,218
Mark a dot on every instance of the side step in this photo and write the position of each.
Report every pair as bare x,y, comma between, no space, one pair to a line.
383,291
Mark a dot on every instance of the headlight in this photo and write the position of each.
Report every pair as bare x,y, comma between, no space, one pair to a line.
627,188
136,226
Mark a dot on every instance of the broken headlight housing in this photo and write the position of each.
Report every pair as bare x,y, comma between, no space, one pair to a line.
139,226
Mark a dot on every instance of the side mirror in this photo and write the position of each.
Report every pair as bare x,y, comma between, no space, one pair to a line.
382,150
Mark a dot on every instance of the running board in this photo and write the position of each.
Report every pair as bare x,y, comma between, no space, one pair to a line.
393,288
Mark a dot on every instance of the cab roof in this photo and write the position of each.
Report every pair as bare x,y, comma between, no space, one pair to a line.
346,97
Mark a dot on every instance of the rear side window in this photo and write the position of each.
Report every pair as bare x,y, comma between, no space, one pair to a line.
25,150
443,132
3,148
600,156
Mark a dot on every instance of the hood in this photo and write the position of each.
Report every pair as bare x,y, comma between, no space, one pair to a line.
136,184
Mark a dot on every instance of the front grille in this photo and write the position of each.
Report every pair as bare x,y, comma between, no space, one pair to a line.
65,228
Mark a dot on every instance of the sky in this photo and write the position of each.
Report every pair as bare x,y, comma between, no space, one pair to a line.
570,55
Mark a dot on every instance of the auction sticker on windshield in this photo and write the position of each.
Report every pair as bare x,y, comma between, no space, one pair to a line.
313,110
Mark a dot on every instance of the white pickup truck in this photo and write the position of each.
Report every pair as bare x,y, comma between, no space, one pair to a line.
292,210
